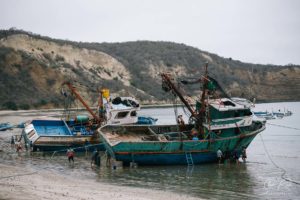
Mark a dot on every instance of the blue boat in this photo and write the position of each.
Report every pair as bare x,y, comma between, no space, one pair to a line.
81,132
5,126
56,135
265,115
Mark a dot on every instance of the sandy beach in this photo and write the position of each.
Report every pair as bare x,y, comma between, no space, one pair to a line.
19,180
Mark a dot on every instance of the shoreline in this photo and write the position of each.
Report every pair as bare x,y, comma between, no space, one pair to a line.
146,106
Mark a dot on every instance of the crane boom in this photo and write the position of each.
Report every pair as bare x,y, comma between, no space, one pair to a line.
200,114
73,90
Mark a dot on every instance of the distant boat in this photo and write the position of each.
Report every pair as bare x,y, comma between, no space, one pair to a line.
265,115
288,113
216,123
278,115
273,115
281,114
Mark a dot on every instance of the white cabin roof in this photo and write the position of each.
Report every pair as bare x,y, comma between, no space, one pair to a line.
225,104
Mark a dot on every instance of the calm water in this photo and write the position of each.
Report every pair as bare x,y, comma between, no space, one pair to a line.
258,178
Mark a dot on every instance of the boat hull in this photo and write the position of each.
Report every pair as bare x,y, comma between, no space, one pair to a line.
64,147
166,158
176,152
56,135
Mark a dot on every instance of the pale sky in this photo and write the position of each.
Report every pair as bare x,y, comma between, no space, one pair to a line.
256,31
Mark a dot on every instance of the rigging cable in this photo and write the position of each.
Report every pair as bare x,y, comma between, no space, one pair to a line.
175,109
278,167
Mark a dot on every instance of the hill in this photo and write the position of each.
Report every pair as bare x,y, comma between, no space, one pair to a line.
33,67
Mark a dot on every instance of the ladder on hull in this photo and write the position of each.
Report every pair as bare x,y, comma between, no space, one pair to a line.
189,158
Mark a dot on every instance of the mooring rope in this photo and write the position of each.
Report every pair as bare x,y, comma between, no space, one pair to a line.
12,176
289,127
278,167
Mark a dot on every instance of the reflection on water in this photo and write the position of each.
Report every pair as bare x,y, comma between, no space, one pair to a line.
231,181
201,181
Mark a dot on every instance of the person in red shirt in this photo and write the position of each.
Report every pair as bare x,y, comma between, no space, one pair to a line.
70,155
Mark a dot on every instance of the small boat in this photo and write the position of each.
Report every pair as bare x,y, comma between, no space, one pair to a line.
55,135
265,115
216,122
5,126
288,113
81,132
278,115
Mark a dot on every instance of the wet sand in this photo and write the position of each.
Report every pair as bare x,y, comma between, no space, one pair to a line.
43,185
20,180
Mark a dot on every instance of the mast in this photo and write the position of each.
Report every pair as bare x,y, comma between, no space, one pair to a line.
201,115
203,96
73,90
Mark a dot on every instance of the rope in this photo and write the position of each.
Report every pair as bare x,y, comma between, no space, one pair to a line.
278,167
175,110
12,176
289,127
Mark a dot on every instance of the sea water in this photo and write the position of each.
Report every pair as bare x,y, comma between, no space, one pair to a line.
272,169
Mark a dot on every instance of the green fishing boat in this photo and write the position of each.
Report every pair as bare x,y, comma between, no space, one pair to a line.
216,122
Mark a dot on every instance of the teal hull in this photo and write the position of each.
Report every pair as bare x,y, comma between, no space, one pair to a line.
176,152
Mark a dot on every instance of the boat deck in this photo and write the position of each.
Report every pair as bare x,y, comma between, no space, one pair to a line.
140,135
47,128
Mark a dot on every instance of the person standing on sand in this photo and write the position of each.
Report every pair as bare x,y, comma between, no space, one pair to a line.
244,155
12,141
219,155
70,155
95,156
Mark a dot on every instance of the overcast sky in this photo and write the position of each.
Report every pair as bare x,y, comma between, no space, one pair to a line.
256,31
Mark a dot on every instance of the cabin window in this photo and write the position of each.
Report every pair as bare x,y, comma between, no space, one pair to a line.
121,115
228,103
133,114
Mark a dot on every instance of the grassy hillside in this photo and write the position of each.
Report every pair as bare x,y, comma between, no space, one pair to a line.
33,67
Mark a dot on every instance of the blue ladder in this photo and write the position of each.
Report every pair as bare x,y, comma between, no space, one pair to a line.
189,159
